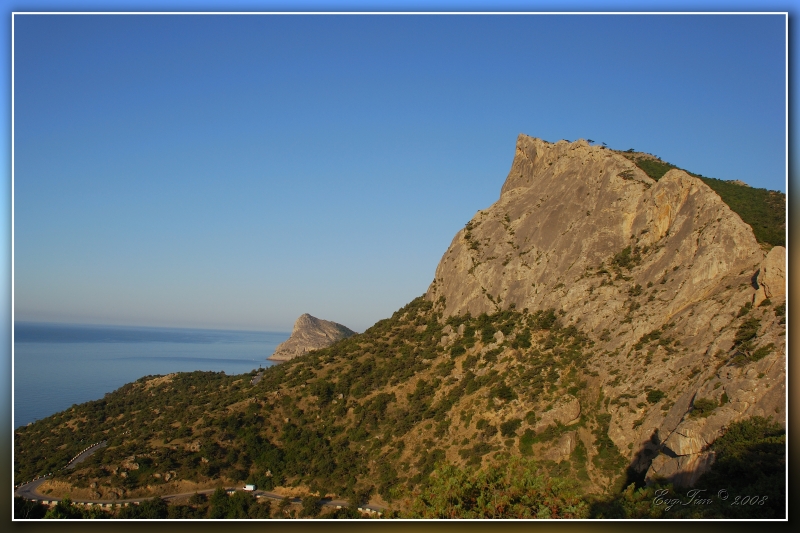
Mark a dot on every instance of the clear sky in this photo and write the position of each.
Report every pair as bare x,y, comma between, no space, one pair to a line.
238,171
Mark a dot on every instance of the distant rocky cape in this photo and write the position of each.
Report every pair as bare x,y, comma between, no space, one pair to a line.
310,333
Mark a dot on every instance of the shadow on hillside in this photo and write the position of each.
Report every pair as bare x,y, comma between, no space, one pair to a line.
746,482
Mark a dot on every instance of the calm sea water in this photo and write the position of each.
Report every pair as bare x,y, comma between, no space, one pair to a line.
56,366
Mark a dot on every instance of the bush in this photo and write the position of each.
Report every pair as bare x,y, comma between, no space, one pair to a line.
511,489
702,407
762,352
526,442
198,499
489,430
503,392
654,396
608,457
751,460
625,259
311,507
509,427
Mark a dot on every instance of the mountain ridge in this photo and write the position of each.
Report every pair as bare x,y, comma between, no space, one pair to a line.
556,332
675,234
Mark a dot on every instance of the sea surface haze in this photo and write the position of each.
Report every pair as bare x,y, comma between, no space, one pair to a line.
58,365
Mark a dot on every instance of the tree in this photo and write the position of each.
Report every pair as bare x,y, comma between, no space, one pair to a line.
311,507
28,509
153,508
219,502
64,509
508,490
198,499
283,505
261,509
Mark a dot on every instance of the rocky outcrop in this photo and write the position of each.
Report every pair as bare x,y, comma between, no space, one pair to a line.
772,276
563,447
567,209
566,411
682,471
310,333
660,275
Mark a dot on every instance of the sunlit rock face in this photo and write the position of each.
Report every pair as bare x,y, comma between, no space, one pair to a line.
584,231
310,333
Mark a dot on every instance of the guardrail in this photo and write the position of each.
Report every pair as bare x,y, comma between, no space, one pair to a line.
82,452
37,478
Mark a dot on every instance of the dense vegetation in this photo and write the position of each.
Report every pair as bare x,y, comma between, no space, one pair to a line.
362,415
392,412
511,489
762,209
747,481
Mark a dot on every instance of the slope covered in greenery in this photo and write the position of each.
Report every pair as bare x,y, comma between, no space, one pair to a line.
377,412
762,209
436,431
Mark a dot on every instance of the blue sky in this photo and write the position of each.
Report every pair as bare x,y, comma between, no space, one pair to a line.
237,171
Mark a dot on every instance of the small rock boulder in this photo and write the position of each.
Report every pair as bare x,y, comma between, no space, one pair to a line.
566,411
563,448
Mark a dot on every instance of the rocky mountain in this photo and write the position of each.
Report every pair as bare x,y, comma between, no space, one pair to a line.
609,320
310,333
661,275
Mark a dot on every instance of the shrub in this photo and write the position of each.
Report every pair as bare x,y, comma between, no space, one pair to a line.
762,352
509,427
702,407
747,331
622,258
608,457
522,340
511,489
503,392
751,460
526,442
311,507
198,499
654,396
489,430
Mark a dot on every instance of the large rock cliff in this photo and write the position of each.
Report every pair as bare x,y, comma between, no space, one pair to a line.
664,278
310,333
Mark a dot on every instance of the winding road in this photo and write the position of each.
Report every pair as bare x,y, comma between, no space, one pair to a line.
29,491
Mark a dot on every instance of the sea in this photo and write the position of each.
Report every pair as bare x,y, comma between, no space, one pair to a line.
57,365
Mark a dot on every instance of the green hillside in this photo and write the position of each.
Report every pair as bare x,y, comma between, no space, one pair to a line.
762,209
379,410
389,413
